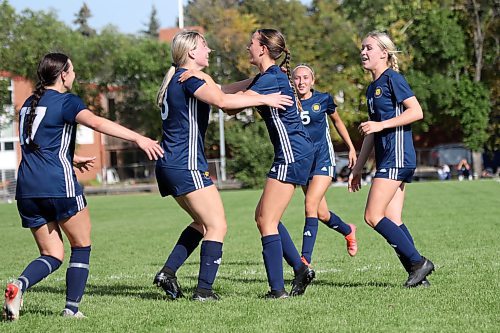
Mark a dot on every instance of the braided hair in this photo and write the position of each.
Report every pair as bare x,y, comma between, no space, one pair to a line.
275,43
385,43
49,69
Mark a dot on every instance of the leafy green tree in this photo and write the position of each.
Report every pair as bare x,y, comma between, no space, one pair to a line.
81,20
153,25
251,152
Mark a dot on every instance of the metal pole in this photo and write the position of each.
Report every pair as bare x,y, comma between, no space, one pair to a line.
181,14
222,144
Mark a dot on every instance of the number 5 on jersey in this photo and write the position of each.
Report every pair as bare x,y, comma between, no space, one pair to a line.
306,119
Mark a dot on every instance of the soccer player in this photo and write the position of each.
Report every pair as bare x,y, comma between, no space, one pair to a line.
293,151
316,108
392,107
184,98
49,198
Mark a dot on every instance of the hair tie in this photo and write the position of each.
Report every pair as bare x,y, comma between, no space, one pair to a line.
174,65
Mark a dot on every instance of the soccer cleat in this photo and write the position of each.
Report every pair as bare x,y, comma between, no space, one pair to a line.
70,314
301,281
419,272
169,284
352,244
203,295
424,284
305,262
277,294
13,301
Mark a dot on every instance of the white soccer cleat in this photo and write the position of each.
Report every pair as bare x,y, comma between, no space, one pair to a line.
13,301
69,313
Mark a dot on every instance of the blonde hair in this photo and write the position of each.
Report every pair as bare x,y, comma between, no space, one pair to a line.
183,42
385,43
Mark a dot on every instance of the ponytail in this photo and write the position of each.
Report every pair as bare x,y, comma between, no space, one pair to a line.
163,87
49,69
37,94
286,62
393,61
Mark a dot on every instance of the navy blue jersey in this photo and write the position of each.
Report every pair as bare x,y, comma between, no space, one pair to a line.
315,112
288,136
385,96
185,121
48,171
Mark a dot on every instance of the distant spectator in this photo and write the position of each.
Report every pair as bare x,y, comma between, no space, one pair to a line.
463,168
444,172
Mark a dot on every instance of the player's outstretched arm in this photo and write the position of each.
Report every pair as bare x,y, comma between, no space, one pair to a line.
105,126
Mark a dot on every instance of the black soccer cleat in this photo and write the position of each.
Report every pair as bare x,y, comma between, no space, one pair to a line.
424,284
203,295
302,280
169,284
277,294
419,272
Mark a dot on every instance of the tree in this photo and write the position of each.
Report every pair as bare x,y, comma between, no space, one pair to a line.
153,26
81,20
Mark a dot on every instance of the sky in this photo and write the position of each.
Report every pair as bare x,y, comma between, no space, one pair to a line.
130,16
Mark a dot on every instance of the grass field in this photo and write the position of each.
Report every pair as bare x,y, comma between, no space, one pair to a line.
456,224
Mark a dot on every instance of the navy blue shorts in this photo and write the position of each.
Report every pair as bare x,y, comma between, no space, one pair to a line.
403,174
177,182
36,212
295,173
324,162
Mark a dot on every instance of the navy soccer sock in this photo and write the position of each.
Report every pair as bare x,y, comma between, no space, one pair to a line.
309,237
37,270
398,240
188,241
338,225
76,276
210,259
272,252
290,252
406,264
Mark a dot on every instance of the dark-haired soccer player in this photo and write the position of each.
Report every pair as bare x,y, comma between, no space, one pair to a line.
49,198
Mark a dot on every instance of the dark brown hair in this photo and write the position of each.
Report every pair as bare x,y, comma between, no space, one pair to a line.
49,69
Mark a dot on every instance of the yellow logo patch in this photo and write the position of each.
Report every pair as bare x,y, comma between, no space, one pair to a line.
316,107
206,174
378,92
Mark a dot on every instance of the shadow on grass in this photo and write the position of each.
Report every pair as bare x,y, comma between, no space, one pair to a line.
109,290
337,284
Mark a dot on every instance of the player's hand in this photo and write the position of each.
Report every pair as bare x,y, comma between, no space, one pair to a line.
352,158
190,73
150,147
354,182
276,100
83,163
369,127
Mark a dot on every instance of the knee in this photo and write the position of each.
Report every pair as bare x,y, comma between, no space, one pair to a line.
324,215
58,254
371,219
311,208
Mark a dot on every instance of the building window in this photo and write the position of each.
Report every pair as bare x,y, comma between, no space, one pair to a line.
8,146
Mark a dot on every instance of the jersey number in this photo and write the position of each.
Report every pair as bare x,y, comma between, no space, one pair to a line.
40,114
306,119
164,108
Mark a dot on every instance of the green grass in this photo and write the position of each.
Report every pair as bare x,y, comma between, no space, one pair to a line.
456,224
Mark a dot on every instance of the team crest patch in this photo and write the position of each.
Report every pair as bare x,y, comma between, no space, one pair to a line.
316,107
378,92
206,174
